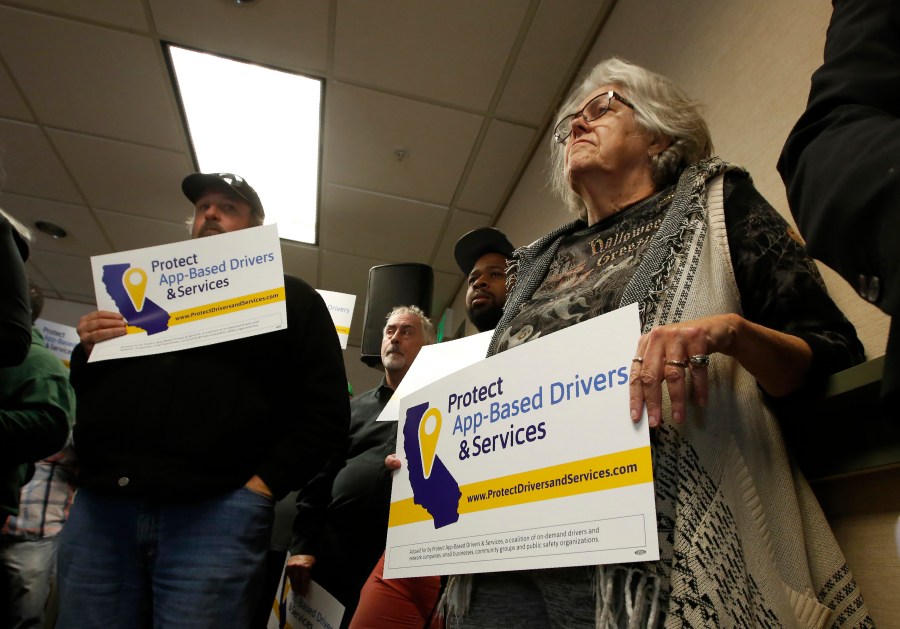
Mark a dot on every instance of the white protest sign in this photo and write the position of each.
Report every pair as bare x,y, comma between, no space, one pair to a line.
192,293
317,610
340,307
528,459
434,362
58,338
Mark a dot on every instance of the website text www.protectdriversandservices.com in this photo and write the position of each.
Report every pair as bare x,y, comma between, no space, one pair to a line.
565,479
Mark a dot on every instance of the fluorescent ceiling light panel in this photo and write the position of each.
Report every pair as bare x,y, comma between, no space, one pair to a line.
261,124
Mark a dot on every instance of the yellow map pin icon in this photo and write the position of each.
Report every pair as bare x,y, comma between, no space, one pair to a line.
135,282
429,431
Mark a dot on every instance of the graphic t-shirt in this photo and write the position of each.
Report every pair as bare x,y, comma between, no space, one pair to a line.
590,271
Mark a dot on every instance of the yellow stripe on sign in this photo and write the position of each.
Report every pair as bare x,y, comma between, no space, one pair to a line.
341,329
611,471
253,300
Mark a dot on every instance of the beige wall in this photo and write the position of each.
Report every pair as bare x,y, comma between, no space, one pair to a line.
749,62
361,376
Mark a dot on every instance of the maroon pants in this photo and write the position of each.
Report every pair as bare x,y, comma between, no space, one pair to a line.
396,603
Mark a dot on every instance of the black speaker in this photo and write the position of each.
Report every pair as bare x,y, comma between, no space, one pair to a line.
392,285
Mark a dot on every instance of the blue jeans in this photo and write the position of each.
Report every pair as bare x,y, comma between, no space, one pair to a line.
27,568
131,563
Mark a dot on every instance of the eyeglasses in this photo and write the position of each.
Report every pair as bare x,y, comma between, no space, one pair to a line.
594,108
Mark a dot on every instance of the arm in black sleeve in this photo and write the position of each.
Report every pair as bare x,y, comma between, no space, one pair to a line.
779,283
314,402
841,161
15,311
312,508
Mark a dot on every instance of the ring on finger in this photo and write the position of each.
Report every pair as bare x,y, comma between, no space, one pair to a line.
677,363
699,360
637,359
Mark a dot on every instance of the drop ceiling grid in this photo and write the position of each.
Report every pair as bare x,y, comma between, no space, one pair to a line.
89,78
109,140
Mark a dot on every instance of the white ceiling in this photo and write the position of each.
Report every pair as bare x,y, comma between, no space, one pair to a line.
93,139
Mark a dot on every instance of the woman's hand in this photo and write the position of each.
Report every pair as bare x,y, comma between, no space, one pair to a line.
664,353
777,360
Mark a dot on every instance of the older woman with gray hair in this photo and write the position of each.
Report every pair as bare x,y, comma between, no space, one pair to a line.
735,317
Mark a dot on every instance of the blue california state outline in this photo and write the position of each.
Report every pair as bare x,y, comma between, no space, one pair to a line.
151,318
439,494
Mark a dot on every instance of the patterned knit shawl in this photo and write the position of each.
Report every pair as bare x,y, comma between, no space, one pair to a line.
743,541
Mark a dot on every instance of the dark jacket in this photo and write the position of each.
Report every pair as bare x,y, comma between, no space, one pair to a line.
841,162
195,423
345,527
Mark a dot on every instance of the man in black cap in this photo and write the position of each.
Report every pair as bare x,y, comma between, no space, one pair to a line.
482,255
183,454
217,200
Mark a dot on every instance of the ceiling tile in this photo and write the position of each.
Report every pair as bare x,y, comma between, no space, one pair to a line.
347,274
407,230
129,232
127,177
503,149
65,273
82,299
364,129
11,103
66,312
283,33
124,13
37,278
32,167
84,235
460,223
453,52
92,79
547,57
108,150
300,261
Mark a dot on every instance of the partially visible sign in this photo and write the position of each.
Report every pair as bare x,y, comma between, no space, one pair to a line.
58,338
317,610
340,305
434,362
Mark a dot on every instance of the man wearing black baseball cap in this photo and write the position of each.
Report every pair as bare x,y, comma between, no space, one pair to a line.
482,255
213,192
183,454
